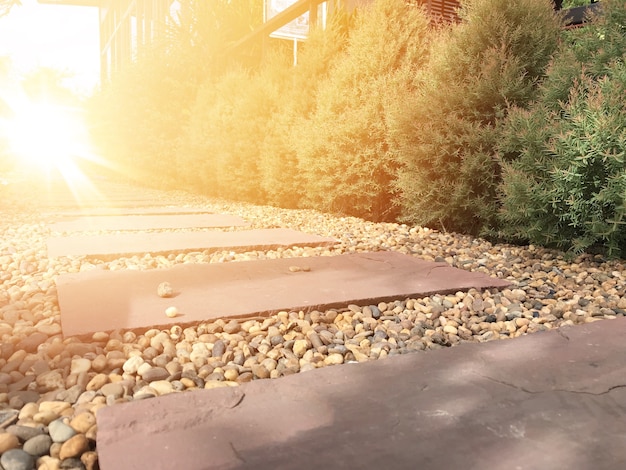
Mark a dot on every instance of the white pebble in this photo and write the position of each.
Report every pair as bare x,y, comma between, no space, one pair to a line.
171,312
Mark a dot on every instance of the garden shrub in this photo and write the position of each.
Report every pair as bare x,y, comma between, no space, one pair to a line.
138,119
342,149
564,184
281,178
227,124
444,137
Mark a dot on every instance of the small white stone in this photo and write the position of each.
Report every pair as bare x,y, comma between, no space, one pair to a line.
132,364
165,290
80,364
171,312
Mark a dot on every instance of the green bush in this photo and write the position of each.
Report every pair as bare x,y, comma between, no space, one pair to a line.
222,142
342,151
446,134
564,184
138,119
281,178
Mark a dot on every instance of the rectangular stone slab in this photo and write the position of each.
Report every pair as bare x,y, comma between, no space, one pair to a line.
176,242
116,211
107,300
93,203
147,222
553,400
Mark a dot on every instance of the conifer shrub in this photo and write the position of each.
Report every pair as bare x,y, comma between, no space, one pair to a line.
445,135
342,150
281,178
137,119
227,124
564,159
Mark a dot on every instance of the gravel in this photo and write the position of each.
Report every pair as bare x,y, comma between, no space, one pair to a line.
51,388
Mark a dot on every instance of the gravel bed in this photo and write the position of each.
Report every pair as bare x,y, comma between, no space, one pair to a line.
51,388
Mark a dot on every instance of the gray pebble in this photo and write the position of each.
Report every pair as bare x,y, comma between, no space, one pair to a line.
59,431
218,349
38,445
155,373
24,433
71,464
17,459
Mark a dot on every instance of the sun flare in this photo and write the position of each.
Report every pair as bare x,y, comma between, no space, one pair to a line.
48,144
45,136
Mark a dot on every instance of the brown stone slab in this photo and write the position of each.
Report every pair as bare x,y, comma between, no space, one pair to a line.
553,400
117,211
58,194
176,242
81,204
107,300
147,222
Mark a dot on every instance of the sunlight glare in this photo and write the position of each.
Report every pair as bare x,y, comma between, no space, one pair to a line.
45,136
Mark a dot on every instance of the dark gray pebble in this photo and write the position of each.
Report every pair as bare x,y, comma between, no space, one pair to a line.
38,445
17,459
24,433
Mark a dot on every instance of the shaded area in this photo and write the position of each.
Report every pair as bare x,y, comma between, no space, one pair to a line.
107,300
548,400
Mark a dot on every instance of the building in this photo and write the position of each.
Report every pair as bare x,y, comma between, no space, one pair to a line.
128,25
125,26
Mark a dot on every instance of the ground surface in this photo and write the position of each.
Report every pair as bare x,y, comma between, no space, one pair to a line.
51,387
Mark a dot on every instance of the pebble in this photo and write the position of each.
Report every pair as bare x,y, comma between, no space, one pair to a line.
83,421
46,379
74,447
165,290
60,432
25,432
38,445
171,312
8,441
17,459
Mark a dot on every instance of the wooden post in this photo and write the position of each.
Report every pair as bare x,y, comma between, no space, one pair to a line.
313,16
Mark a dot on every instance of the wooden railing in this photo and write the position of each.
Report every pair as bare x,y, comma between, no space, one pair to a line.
272,24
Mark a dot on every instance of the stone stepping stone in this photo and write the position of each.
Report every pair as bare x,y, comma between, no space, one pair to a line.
95,203
176,242
106,300
147,222
560,394
59,195
118,211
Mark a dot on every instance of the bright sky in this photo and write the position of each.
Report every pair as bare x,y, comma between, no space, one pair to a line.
59,36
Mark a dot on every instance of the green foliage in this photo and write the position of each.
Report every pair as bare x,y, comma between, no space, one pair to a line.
228,120
564,184
447,133
281,179
139,118
201,30
342,149
575,3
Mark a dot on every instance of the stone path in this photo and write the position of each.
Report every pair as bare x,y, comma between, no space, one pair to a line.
146,222
129,300
84,195
548,400
179,242
552,400
61,215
